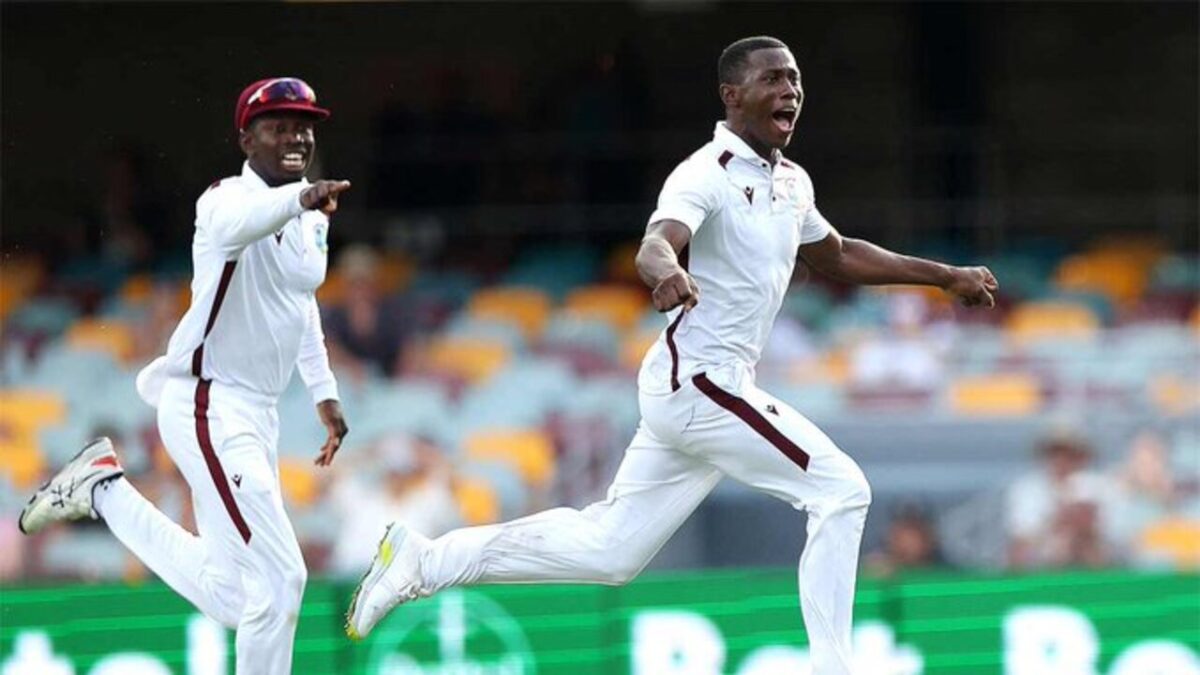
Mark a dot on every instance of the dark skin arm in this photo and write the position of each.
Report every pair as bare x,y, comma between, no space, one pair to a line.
323,195
658,266
861,262
330,412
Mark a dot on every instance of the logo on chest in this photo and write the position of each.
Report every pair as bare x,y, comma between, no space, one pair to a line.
749,192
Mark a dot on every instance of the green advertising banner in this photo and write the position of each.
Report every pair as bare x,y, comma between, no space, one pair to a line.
709,623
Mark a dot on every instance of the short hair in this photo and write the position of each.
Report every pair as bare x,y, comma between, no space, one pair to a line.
731,66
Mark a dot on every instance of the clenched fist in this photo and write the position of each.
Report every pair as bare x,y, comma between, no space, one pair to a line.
973,286
678,288
323,195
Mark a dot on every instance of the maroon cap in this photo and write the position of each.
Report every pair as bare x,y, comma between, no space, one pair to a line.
276,93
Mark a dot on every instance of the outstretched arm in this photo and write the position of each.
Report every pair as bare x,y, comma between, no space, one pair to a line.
658,265
239,218
860,262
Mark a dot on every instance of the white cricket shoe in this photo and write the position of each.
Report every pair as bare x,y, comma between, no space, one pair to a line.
68,495
394,579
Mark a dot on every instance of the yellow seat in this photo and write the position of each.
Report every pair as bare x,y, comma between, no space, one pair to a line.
1119,276
619,306
996,395
22,462
477,501
137,289
1176,539
1056,320
527,308
529,451
634,347
19,279
469,358
12,296
27,409
298,481
22,414
395,273
112,337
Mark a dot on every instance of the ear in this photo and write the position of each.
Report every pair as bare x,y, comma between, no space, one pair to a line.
731,95
245,139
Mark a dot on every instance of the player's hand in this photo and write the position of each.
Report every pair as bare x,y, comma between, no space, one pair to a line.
330,412
674,290
323,195
973,286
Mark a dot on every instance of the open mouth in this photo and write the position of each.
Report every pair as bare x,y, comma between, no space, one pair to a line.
785,119
292,161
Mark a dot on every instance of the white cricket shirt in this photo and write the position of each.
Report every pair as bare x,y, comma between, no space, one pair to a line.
258,258
747,220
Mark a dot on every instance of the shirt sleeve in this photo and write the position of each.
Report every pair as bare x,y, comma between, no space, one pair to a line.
813,226
688,196
236,218
313,361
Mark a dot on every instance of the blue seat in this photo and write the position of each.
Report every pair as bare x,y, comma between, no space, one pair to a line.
508,334
577,333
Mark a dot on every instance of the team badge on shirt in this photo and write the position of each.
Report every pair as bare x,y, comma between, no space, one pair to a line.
322,235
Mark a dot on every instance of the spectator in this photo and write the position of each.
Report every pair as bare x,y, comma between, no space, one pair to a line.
903,355
365,333
911,543
1150,522
414,489
1056,513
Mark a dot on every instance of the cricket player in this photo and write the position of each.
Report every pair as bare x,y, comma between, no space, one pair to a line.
259,254
718,253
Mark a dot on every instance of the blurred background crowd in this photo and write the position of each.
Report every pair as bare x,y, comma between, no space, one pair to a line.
482,310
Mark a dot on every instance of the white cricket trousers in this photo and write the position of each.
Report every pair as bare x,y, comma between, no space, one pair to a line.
717,424
244,570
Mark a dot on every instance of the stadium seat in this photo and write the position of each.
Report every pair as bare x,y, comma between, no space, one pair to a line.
504,482
568,331
477,501
635,345
42,317
1052,320
1176,273
472,359
996,395
1176,540
1174,395
28,410
488,329
530,451
137,289
299,483
1119,275
404,406
111,337
553,269
19,279
22,463
620,306
526,307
